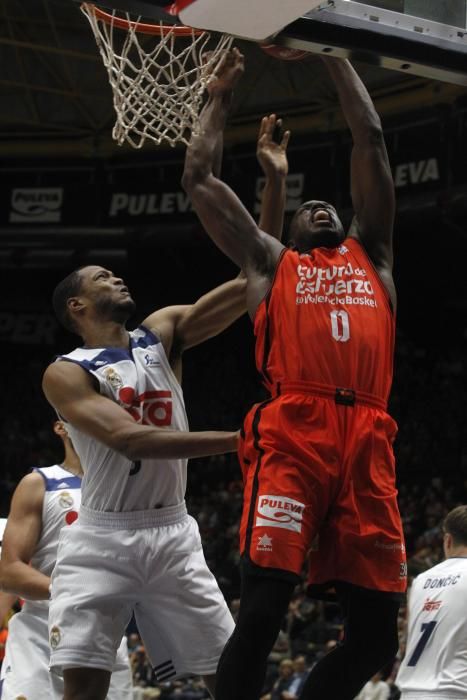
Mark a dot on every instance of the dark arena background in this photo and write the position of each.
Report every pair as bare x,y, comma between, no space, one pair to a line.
69,196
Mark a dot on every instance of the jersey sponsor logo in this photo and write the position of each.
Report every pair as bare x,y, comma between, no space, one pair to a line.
55,637
113,378
151,361
148,408
264,543
432,604
334,285
442,581
65,499
390,546
403,570
280,511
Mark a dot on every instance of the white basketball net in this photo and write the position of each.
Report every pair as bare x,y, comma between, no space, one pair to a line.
158,89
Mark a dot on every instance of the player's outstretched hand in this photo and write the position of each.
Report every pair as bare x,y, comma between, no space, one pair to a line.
271,151
227,74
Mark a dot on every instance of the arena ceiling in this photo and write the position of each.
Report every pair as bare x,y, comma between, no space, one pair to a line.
56,100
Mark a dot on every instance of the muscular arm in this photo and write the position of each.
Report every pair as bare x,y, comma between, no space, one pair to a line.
69,389
222,214
182,327
218,309
20,540
371,179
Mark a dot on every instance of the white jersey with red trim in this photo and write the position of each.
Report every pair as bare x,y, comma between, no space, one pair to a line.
435,664
140,380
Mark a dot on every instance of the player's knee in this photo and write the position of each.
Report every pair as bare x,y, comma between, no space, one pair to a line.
389,646
86,684
387,635
379,649
260,628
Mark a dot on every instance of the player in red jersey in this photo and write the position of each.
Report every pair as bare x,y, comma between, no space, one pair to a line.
316,456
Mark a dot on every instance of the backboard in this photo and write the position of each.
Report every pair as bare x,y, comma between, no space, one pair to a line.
422,37
255,21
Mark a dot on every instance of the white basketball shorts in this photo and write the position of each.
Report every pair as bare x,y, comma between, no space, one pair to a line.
110,565
25,669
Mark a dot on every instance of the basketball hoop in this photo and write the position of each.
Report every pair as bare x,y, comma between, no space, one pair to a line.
158,74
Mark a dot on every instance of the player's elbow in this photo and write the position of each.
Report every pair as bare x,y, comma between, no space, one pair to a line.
7,579
131,442
198,191
373,131
124,443
195,174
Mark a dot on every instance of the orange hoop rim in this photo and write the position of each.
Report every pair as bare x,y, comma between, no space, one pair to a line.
159,29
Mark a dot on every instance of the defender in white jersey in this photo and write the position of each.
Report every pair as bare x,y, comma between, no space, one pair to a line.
44,502
134,544
435,662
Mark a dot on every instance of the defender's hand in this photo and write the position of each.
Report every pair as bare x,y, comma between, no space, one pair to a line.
272,155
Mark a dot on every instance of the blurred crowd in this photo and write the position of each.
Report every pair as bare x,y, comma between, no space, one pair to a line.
429,401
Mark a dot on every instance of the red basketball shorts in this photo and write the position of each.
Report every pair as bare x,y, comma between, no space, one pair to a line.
319,490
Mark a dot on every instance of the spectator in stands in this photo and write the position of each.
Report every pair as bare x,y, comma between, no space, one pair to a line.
375,689
300,674
282,684
189,689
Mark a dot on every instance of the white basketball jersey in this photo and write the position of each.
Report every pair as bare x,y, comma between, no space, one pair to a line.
140,380
435,664
60,507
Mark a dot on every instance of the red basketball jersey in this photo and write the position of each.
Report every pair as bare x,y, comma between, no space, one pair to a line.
327,319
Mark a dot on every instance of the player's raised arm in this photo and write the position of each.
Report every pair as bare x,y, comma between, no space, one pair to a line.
371,179
20,539
271,152
182,327
70,391
222,214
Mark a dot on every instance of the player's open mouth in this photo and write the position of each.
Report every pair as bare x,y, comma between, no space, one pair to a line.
321,215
